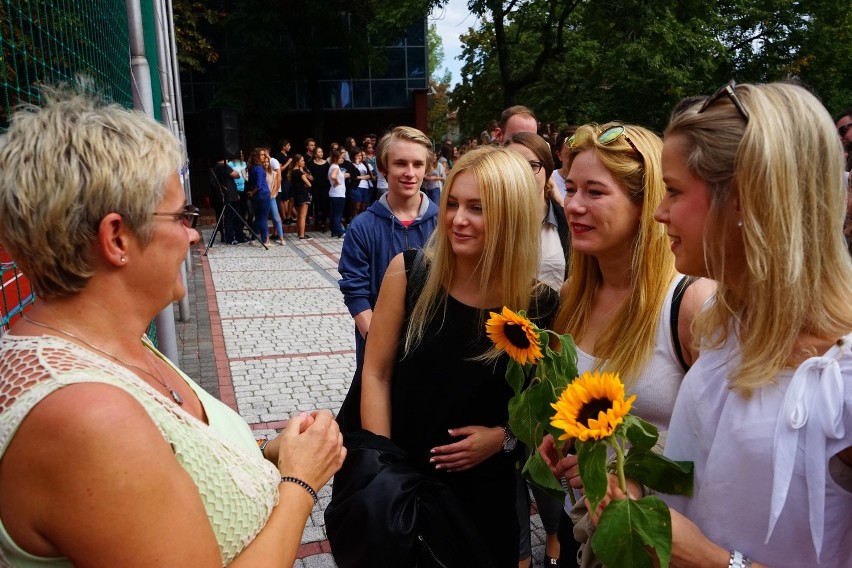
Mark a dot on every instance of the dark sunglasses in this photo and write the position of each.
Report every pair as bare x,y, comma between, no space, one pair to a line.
607,137
730,90
842,130
189,216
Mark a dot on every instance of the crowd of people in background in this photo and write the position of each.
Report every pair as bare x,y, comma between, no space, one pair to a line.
302,193
301,189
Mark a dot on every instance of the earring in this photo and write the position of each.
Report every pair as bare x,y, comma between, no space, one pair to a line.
123,259
740,224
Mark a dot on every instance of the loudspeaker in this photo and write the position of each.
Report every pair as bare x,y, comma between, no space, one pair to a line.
219,133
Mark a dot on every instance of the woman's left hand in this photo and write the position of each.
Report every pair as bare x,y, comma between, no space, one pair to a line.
478,444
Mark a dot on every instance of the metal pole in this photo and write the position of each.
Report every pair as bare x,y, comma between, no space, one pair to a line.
143,100
167,118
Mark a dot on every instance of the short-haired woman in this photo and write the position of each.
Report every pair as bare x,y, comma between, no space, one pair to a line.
109,454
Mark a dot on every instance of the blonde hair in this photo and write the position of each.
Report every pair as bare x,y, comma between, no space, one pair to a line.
404,133
783,168
65,166
512,220
627,341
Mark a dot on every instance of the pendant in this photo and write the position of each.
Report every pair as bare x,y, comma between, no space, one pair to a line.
175,396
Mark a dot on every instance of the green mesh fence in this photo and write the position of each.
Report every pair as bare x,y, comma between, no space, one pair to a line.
55,41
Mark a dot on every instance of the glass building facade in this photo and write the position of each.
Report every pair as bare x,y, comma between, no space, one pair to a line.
387,82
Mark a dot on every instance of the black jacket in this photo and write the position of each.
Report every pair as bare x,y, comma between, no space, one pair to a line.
385,513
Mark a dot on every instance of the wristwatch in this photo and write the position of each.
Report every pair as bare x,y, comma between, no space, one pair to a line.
509,440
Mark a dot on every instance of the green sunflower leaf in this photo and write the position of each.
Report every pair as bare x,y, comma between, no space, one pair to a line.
659,472
530,413
536,471
592,461
629,528
641,434
568,356
515,376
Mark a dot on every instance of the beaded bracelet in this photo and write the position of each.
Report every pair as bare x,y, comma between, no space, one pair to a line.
301,483
738,560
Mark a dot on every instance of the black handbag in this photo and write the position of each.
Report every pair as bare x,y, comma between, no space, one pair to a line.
383,512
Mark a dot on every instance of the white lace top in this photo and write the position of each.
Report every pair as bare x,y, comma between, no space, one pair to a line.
238,487
765,480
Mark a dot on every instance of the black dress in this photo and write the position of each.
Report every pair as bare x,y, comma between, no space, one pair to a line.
437,387
301,193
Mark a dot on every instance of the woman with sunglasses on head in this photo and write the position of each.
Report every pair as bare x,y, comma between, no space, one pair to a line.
756,201
441,396
619,301
109,454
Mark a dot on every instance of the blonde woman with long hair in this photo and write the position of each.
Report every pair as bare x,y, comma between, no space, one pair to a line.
756,201
618,300
440,395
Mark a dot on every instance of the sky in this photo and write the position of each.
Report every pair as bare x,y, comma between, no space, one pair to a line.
452,20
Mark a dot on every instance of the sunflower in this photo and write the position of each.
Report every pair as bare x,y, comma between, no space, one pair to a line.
591,407
514,334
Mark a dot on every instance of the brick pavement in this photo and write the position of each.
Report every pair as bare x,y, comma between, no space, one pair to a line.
269,335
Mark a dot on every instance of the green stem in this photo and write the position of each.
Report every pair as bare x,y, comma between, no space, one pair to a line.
619,464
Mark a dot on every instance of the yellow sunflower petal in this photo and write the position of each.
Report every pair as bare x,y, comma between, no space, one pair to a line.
514,334
588,394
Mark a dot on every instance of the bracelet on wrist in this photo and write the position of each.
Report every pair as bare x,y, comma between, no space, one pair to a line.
302,484
263,445
738,560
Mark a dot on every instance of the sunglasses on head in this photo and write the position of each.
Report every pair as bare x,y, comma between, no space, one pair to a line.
607,137
729,90
189,216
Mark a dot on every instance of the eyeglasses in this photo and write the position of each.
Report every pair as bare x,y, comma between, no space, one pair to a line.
536,166
607,137
730,90
189,216
842,130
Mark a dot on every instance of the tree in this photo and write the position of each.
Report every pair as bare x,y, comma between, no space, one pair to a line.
194,51
632,60
546,20
439,108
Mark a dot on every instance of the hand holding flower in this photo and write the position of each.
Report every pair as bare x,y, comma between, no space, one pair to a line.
561,467
594,414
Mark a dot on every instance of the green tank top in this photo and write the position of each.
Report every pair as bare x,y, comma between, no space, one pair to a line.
238,487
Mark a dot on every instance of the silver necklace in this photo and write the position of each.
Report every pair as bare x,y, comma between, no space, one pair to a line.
175,396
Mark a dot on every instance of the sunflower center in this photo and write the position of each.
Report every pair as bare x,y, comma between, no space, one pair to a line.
516,335
592,408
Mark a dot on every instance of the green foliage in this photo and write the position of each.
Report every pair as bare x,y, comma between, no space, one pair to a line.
591,457
640,433
536,471
658,472
628,527
193,49
439,107
614,53
530,410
